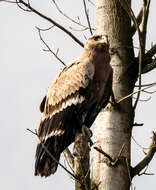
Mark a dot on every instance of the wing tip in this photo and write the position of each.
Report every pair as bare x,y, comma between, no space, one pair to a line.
46,171
45,165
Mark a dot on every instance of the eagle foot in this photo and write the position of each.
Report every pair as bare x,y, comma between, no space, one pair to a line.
88,133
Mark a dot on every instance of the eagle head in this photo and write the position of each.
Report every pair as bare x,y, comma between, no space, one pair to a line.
98,42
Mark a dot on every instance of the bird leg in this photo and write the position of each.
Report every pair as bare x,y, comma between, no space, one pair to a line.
88,133
85,130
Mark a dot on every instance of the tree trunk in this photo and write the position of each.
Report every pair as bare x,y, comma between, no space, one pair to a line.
112,130
81,162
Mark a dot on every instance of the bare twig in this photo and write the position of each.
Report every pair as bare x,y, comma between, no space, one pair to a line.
49,49
149,92
111,161
130,95
144,85
87,16
149,60
142,41
27,10
69,18
51,21
79,30
129,172
146,5
149,66
46,29
138,124
142,164
139,20
144,100
47,151
104,153
91,3
144,172
7,1
151,52
141,44
119,155
121,150
69,157
139,144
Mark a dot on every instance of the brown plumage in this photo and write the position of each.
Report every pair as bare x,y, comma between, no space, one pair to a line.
76,96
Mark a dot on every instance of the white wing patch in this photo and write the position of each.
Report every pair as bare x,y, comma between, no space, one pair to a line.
60,107
68,102
58,132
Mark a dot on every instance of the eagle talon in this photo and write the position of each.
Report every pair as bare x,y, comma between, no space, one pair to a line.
86,131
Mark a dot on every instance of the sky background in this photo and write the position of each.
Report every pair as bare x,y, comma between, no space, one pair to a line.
25,74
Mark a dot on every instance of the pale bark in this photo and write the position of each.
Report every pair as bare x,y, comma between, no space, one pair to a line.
113,125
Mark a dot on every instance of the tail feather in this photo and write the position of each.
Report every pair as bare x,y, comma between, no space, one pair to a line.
56,133
45,165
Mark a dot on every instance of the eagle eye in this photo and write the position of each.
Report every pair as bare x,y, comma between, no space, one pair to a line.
96,38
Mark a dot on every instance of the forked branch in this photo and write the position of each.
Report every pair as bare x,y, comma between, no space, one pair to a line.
145,162
69,18
49,49
130,12
51,21
151,52
139,20
130,95
109,160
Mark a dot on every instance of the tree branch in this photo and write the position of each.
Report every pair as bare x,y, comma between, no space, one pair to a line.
151,52
149,67
144,172
69,157
139,20
104,154
149,92
69,18
148,63
143,148
140,166
130,95
87,16
91,3
146,5
7,1
110,161
49,49
138,124
130,12
144,85
51,21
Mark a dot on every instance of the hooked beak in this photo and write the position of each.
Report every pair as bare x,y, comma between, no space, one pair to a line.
104,39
